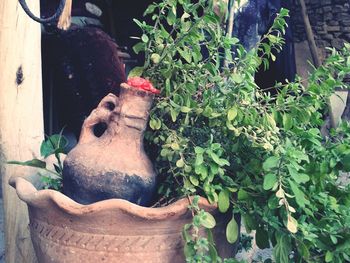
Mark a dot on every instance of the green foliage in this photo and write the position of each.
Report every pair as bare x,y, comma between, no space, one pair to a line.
245,242
261,155
198,248
53,145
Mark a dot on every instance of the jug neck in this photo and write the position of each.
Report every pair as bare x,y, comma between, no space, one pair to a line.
132,111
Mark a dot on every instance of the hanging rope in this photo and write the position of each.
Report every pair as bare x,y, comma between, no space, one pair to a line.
63,14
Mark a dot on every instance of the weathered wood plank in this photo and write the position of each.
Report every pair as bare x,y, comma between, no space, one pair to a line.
21,116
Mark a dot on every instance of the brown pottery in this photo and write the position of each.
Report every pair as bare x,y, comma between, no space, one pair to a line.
110,231
113,165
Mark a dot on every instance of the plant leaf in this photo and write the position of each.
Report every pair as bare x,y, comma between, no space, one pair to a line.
199,150
299,195
185,109
189,251
186,236
303,249
242,194
180,163
144,38
287,121
232,231
329,256
215,157
136,72
208,221
262,238
224,201
299,178
171,18
269,181
31,163
213,253
155,58
292,224
237,78
270,163
139,47
194,180
54,144
282,248
232,113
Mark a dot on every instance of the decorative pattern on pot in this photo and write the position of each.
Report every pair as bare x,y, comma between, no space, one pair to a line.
114,164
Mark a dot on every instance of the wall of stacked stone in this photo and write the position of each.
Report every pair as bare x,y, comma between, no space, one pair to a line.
330,21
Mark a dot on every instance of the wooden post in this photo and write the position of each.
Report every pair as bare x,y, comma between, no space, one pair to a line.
21,117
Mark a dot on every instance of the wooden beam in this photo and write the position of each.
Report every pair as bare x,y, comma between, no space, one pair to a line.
310,34
21,117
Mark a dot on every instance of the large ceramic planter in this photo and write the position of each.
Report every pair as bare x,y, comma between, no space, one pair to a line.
110,231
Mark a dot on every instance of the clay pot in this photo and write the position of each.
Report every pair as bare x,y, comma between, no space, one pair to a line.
110,231
113,165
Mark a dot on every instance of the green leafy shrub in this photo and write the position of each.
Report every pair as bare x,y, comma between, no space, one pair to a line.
218,135
53,146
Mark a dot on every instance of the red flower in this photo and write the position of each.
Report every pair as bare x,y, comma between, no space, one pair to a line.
143,84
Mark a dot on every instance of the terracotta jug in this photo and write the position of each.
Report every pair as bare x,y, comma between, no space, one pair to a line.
113,165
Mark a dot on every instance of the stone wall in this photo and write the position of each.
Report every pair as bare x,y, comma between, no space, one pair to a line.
330,21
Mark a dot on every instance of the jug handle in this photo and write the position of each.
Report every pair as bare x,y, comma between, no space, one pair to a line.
101,114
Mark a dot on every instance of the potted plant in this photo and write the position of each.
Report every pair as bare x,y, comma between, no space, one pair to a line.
215,134
113,230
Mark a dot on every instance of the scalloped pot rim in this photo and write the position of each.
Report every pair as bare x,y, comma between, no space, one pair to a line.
41,199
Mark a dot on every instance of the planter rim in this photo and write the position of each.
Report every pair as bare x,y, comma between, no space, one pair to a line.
39,198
